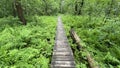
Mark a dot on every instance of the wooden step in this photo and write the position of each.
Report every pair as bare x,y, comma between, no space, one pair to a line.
62,53
63,64
61,49
63,58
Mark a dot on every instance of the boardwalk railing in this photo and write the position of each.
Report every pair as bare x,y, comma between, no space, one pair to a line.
62,53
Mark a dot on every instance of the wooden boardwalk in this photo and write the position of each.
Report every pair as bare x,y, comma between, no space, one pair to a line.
62,53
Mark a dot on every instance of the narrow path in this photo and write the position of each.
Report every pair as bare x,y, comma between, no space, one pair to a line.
62,53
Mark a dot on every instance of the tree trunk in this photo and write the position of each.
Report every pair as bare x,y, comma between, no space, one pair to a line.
76,38
76,8
81,5
61,10
20,11
91,61
13,7
46,7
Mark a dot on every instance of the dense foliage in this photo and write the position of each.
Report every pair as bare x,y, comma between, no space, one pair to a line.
100,38
27,46
97,23
52,7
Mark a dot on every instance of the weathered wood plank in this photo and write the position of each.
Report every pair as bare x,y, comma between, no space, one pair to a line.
62,49
63,58
64,63
62,53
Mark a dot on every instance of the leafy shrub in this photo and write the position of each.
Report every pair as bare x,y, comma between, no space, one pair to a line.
101,39
27,46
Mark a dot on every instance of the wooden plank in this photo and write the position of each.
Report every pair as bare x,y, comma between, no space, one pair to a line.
64,63
63,58
62,49
62,53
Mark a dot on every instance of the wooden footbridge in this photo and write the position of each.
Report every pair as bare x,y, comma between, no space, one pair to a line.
62,53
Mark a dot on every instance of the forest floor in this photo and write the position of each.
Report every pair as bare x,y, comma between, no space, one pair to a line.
31,46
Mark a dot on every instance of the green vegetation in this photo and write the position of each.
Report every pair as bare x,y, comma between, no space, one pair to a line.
27,31
100,39
27,46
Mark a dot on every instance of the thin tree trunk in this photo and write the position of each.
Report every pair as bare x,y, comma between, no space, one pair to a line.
46,7
14,11
81,5
20,11
61,6
76,8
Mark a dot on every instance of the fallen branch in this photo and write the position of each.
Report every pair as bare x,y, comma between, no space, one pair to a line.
91,61
76,39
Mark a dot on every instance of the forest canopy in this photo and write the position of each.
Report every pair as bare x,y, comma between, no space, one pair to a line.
53,7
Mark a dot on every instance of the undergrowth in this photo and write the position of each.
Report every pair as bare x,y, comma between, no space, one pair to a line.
31,46
101,39
27,46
